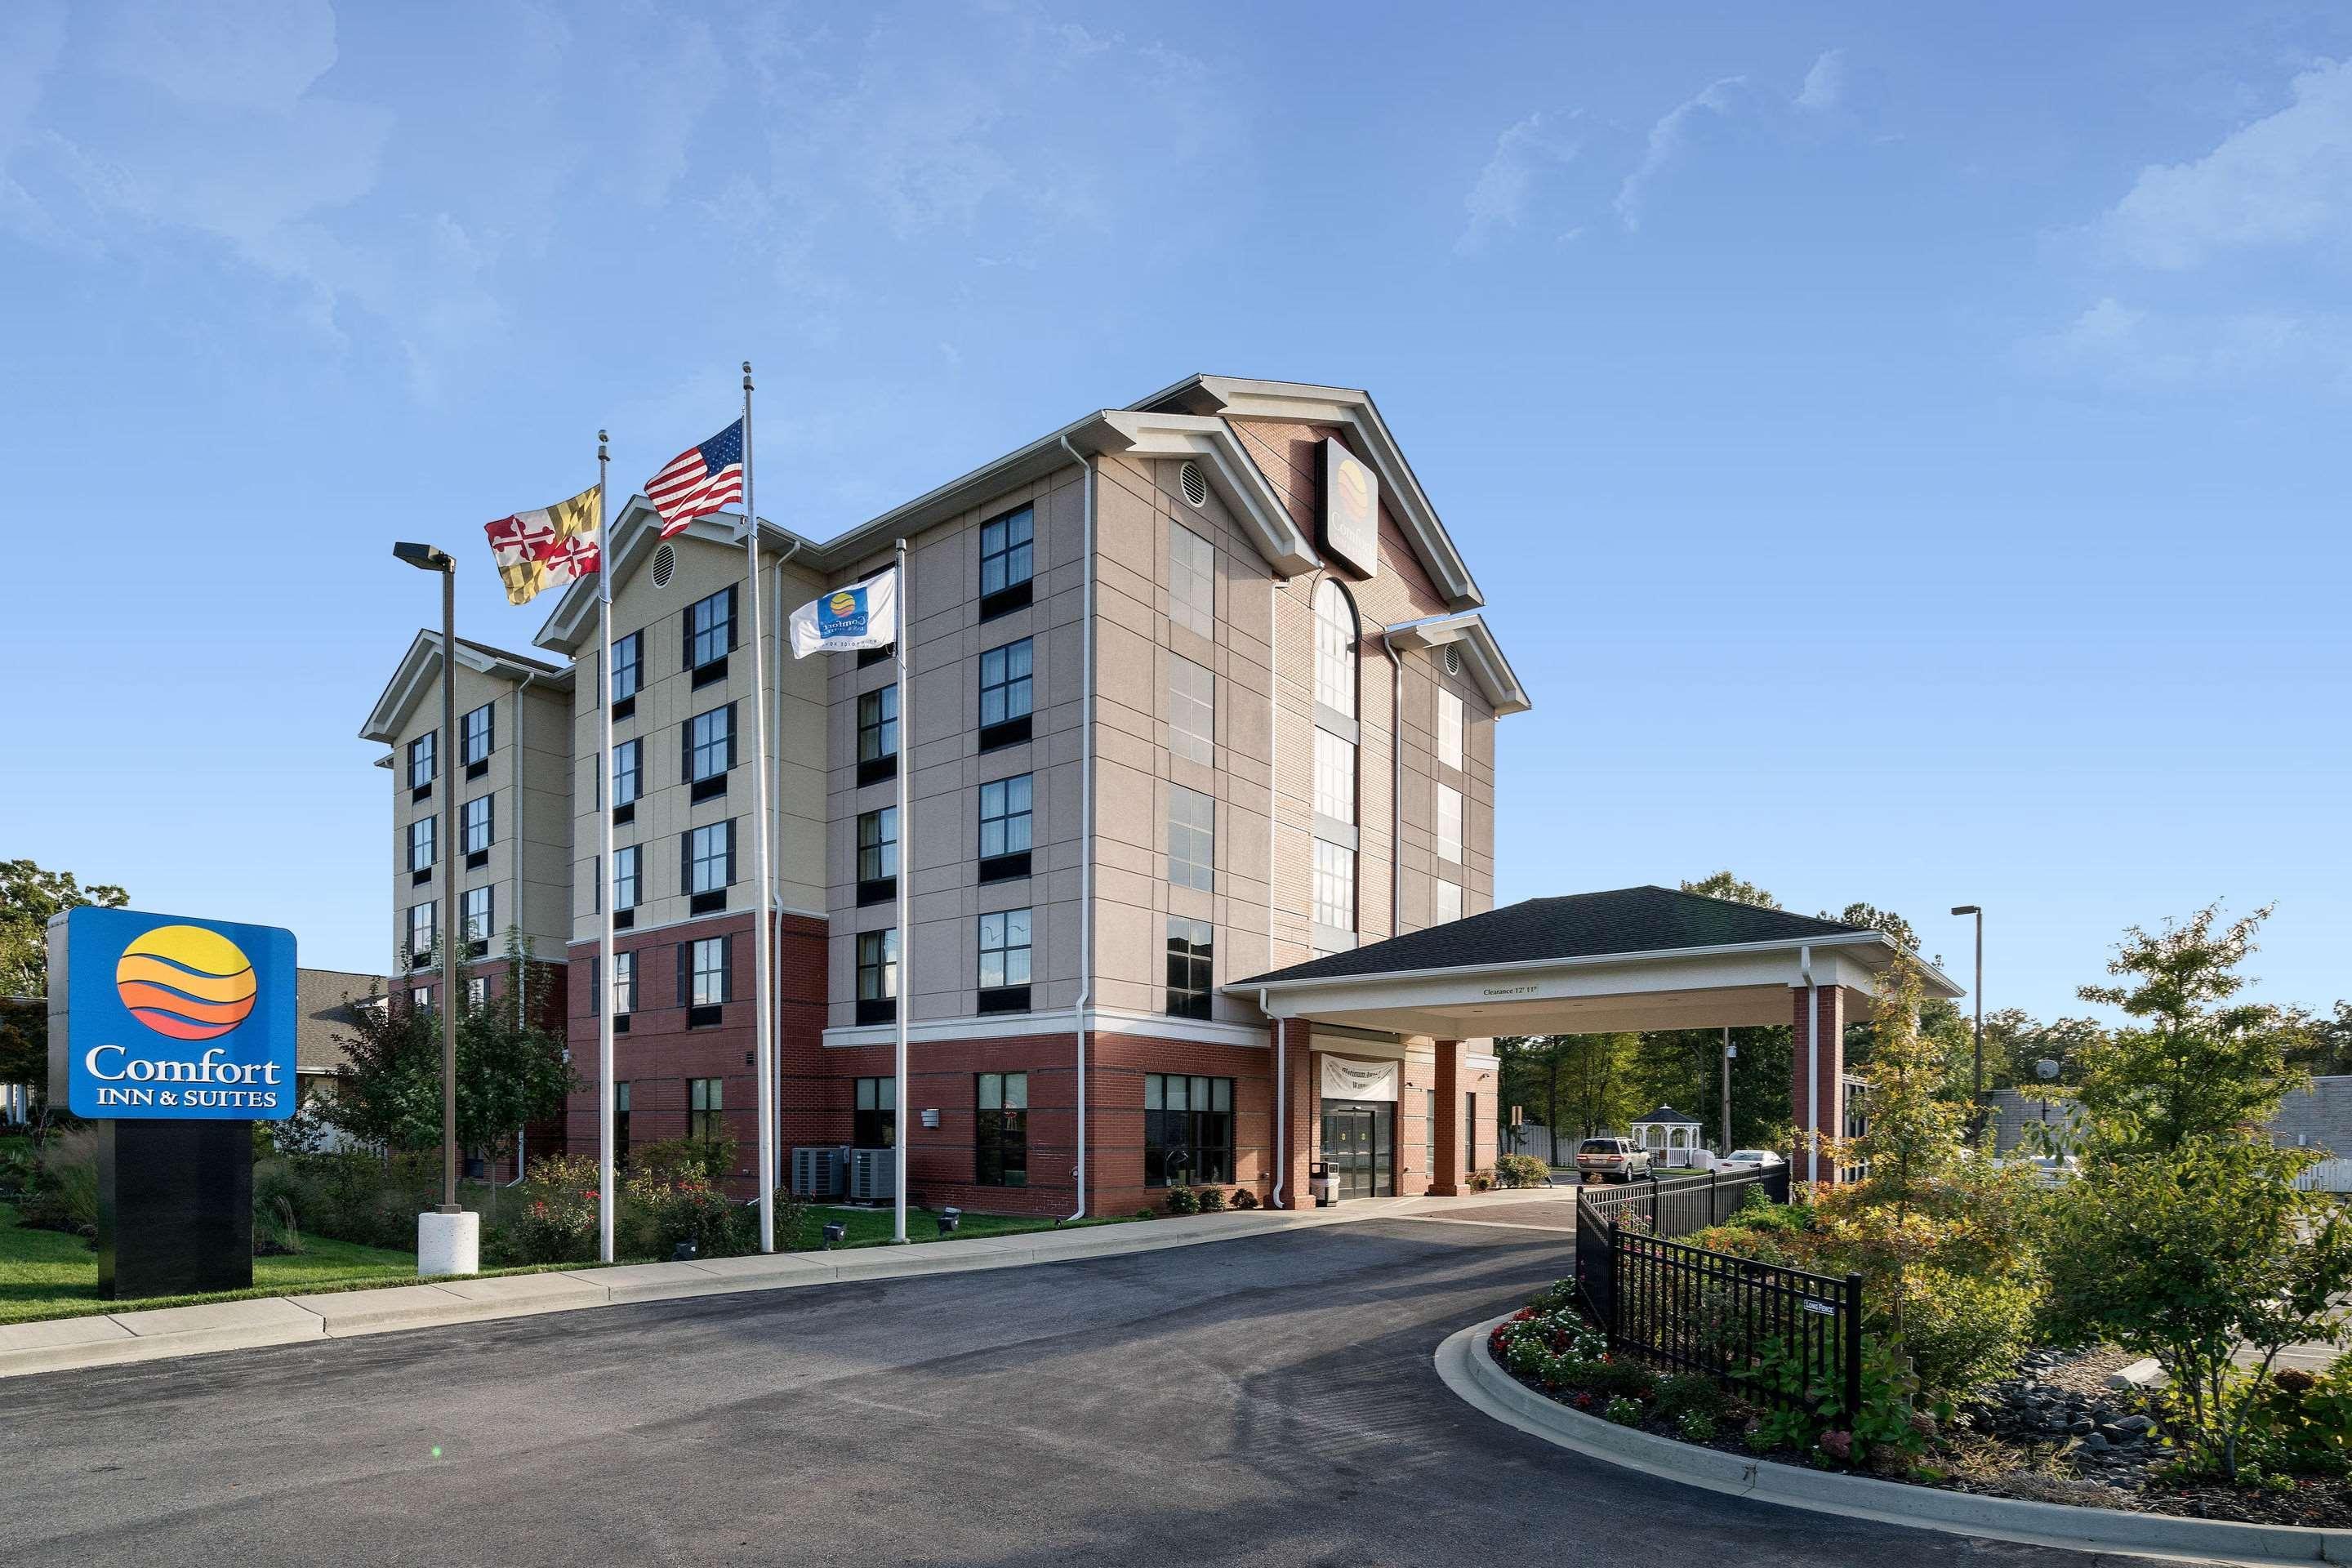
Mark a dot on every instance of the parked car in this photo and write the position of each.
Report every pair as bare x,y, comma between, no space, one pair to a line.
2047,1170
1750,1160
1611,1159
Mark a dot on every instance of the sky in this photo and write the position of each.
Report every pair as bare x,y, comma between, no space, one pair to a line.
1903,447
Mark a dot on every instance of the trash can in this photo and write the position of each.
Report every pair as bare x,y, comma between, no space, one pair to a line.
1319,1184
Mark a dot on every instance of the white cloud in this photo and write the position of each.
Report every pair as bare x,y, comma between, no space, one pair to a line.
1824,84
1499,197
1667,138
2284,180
2130,349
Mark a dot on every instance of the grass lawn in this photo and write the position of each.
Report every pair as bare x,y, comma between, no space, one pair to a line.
48,1274
870,1227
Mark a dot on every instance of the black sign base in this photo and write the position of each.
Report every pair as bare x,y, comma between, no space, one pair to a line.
174,1208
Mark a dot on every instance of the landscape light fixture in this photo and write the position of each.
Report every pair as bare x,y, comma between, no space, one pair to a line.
833,1231
950,1218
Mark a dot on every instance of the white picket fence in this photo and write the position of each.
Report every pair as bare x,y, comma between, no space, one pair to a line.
2327,1176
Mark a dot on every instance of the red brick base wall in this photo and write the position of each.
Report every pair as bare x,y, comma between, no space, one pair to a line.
1829,1082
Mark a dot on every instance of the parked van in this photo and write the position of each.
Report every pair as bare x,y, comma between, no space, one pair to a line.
1611,1159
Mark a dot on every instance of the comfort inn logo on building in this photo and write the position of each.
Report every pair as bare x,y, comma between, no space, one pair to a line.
158,1016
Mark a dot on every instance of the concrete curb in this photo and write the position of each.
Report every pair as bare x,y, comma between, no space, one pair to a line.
1468,1369
64,1345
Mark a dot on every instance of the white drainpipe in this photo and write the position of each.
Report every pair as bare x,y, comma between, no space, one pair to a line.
1086,815
1812,1065
1396,788
1281,1089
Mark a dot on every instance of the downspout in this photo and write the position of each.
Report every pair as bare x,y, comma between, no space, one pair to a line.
1396,788
1086,815
522,1019
1812,1065
1282,1085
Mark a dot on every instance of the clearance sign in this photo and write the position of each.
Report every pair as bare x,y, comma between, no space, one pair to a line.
158,1017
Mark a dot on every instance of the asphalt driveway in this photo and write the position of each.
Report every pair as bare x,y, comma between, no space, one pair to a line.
1268,1400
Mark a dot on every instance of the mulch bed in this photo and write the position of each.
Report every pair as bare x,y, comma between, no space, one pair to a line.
2093,1457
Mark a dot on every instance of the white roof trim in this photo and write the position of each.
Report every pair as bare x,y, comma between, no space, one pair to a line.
422,665
1234,397
1487,665
572,622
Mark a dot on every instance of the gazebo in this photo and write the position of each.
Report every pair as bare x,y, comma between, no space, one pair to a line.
1671,1137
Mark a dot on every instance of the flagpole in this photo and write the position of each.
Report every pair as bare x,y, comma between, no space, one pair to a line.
905,997
764,1023
604,975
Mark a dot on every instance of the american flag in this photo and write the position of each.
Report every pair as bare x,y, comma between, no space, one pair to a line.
699,480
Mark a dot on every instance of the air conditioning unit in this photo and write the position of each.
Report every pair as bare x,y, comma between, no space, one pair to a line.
872,1175
818,1173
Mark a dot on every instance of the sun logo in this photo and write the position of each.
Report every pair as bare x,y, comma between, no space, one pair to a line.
185,981
844,603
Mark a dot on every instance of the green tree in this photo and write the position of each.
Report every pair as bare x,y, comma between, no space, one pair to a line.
1723,885
2323,1043
1870,917
29,897
2189,1252
2198,1065
510,1072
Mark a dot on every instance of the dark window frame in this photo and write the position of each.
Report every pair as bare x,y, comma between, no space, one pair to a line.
701,651
424,750
1187,1145
488,735
875,962
1015,694
488,824
706,1109
877,735
1012,556
1191,967
878,854
874,1114
1016,960
629,660
1000,1153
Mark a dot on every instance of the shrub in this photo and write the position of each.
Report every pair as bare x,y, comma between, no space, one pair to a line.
1183,1200
1522,1171
1212,1200
1146,1213
1624,1412
1686,1394
2301,1423
64,1193
20,1166
556,1220
708,1160
1243,1198
1964,1331
1696,1427
1628,1379
275,1233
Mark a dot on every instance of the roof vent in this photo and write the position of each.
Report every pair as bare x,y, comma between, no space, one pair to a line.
1196,489
665,567
1453,658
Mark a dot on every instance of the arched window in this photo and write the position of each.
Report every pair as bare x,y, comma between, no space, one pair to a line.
1675,1139
1335,648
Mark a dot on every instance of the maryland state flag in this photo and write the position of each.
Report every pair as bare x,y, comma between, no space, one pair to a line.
541,548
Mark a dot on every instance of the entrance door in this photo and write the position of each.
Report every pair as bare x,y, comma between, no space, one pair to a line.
1359,1148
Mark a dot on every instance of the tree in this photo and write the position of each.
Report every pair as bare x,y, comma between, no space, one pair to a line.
2200,1065
1723,885
2186,1253
1870,917
510,1071
29,897
2323,1045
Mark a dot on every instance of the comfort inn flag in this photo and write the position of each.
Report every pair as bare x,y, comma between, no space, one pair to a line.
554,544
864,614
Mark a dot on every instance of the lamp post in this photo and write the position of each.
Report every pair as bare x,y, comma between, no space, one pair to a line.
1978,1128
448,1241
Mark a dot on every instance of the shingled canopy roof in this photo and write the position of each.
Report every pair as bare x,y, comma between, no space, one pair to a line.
1632,958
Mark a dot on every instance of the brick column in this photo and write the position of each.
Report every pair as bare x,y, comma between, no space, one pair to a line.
1452,1075
1827,1113
1298,1108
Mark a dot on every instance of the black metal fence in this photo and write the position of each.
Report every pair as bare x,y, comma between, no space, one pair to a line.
1668,1205
1771,1334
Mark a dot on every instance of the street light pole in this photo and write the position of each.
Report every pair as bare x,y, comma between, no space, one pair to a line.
1978,1127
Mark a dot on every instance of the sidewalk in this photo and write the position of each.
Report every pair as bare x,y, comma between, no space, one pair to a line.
60,1344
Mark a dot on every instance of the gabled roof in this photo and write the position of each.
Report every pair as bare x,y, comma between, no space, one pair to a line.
635,534
1625,921
420,669
1235,397
1469,632
1667,1114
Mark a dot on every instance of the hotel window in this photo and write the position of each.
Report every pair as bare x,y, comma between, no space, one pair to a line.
706,1109
628,877
1007,556
1428,1132
424,929
1191,581
625,985
1188,1130
1191,711
706,972
1335,885
422,761
709,742
1449,824
1335,648
876,1123
1004,961
628,774
1191,948
1335,777
878,735
475,741
424,843
1449,902
710,858
1001,1129
1449,729
420,998
1006,822
476,827
1006,693
628,665
1192,839
878,854
711,629
477,991
478,918
620,1124
877,977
